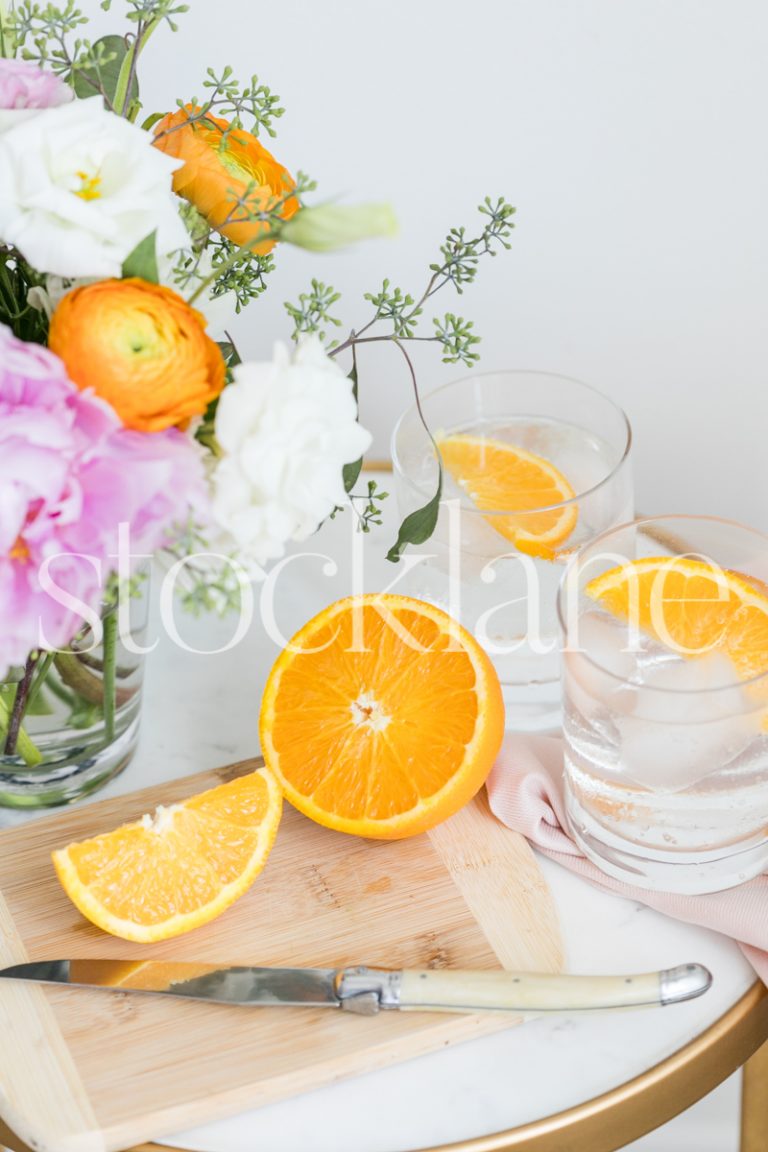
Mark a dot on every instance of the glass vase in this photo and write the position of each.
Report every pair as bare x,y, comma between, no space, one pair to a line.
69,721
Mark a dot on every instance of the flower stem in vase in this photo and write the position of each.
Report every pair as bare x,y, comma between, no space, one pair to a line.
109,680
16,739
78,678
85,683
41,671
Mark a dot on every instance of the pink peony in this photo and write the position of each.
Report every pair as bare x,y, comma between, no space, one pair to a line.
24,85
70,474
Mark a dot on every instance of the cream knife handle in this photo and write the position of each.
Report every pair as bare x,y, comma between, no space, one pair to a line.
458,991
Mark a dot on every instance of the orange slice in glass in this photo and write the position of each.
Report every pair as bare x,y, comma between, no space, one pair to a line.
382,717
168,873
498,477
691,607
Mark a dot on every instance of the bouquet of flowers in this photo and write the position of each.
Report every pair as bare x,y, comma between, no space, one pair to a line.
129,424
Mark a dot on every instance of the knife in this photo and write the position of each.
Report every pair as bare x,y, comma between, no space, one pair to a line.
367,990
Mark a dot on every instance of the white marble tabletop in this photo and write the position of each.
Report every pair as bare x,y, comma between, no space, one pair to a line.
201,711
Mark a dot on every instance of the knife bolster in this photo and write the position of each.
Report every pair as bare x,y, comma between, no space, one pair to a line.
367,990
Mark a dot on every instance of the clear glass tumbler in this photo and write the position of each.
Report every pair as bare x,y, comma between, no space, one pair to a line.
665,671
497,568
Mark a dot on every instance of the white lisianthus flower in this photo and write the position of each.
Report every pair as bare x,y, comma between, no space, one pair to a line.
80,187
286,428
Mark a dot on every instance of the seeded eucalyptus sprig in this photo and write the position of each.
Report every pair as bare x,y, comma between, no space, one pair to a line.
43,33
149,11
313,311
400,311
365,505
244,278
400,314
252,106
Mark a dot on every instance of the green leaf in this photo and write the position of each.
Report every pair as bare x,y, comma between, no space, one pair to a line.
142,262
104,77
151,120
419,526
350,472
230,353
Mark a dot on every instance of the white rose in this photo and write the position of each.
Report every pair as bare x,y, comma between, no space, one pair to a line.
286,428
80,187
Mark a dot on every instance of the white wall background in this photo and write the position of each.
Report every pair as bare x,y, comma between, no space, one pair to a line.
630,134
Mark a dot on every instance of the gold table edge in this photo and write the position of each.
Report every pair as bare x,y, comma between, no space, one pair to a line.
628,1111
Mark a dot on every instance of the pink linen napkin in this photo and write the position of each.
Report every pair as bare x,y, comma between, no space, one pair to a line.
525,790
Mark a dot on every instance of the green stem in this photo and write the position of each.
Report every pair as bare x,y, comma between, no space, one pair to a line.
6,287
19,708
60,692
391,337
127,68
431,288
25,748
41,671
83,682
7,42
109,680
122,98
191,118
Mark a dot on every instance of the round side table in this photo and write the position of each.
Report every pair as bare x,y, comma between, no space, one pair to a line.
596,1082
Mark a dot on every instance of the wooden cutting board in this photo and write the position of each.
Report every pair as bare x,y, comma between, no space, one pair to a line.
89,1071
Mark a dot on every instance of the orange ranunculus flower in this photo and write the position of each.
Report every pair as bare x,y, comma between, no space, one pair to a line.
142,348
218,168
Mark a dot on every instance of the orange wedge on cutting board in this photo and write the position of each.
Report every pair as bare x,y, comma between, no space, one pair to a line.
382,717
497,476
690,606
176,870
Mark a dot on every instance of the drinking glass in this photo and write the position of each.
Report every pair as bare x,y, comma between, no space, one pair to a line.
504,595
666,703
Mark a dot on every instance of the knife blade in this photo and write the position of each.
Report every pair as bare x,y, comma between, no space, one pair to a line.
366,991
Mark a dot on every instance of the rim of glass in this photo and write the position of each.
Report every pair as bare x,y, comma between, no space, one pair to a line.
573,564
397,465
